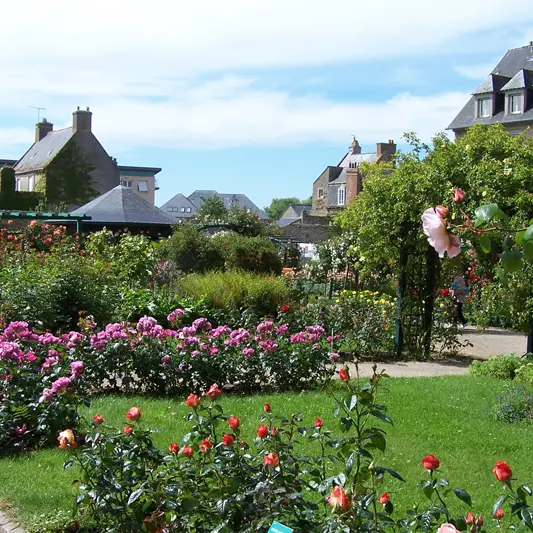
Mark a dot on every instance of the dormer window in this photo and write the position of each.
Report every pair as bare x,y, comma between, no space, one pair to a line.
341,196
483,107
515,104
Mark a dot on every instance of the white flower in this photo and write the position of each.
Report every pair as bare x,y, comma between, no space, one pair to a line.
435,228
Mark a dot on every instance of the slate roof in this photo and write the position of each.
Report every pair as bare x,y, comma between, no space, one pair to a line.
122,206
229,200
282,222
523,79
349,158
7,162
493,83
298,208
509,66
177,202
42,152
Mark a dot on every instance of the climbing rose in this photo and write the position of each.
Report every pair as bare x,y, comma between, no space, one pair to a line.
134,414
344,375
262,431
430,462
459,196
447,528
174,447
498,514
502,471
128,430
227,440
98,419
434,226
187,451
271,459
338,498
234,423
67,440
214,392
285,308
318,422
193,400
384,498
267,408
205,445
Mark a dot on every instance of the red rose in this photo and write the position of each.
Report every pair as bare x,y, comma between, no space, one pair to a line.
338,498
98,419
214,392
234,423
384,498
262,431
271,459
498,514
134,414
318,422
205,445
174,447
445,292
502,471
430,462
193,400
227,440
344,375
267,407
187,451
128,430
469,518
285,308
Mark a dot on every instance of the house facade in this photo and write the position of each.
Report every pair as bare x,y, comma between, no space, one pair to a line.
338,185
141,180
183,207
505,96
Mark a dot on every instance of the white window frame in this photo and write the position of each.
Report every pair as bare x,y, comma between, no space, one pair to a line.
512,98
188,210
144,184
31,183
481,102
127,183
320,194
182,209
341,196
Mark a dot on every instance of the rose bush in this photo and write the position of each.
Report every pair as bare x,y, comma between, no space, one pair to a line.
212,480
41,386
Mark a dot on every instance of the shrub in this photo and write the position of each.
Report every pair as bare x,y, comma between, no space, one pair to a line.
236,290
514,404
256,254
502,367
41,386
190,250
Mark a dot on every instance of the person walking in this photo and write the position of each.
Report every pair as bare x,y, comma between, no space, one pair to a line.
459,291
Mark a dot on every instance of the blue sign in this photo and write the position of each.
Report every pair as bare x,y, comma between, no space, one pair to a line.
276,527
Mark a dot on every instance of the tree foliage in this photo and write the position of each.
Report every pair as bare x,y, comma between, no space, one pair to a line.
278,206
212,209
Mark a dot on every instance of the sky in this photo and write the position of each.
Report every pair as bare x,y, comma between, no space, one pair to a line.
247,96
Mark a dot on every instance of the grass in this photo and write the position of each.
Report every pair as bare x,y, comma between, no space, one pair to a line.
445,416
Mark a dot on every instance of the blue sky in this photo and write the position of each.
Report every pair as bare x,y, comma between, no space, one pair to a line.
245,96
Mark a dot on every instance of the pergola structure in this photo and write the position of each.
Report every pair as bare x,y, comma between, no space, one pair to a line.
39,215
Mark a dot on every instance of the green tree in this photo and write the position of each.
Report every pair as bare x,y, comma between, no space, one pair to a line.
279,205
67,180
212,209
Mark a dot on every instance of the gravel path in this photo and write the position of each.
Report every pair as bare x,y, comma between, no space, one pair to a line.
485,344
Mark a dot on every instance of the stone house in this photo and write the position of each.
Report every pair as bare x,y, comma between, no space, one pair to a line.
338,185
106,174
505,96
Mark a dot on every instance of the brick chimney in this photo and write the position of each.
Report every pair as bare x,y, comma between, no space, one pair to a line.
42,129
354,184
385,151
81,120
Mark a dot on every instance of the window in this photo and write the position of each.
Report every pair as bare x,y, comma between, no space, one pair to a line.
127,183
515,104
182,209
483,107
17,184
341,195
188,210
320,193
172,209
31,183
142,186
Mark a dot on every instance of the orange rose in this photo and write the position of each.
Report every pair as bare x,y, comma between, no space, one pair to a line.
271,459
338,499
98,419
344,375
67,440
384,498
267,407
187,451
234,423
214,392
174,447
193,400
205,445
134,414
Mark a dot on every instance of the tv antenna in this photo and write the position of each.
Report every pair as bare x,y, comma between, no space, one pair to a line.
39,109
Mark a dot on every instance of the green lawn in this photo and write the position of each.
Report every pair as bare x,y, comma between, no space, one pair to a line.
444,416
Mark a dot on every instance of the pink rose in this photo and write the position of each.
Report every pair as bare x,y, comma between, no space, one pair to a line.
434,226
447,528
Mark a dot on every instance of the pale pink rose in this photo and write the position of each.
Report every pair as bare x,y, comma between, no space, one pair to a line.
435,228
447,528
